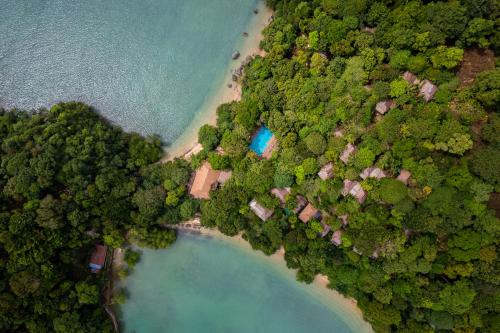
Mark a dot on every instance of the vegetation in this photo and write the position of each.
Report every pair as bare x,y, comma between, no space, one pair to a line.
69,181
418,257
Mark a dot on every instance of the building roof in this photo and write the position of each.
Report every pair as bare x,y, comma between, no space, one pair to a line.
262,212
348,151
308,213
326,229
372,172
410,77
384,106
345,219
404,175
301,203
204,179
326,171
98,258
337,237
354,188
224,176
281,194
338,133
427,90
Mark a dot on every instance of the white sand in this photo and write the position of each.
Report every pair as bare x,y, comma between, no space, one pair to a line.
188,141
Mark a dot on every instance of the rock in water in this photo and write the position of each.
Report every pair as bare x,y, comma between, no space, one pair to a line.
255,11
245,34
235,55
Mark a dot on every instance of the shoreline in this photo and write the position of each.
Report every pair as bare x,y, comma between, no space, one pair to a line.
187,144
347,308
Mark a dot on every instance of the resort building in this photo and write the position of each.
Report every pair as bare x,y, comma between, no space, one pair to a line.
326,230
348,151
308,213
404,176
326,171
338,133
263,213
427,90
337,237
224,176
263,142
384,106
410,78
204,180
345,219
372,172
354,188
98,258
281,194
301,204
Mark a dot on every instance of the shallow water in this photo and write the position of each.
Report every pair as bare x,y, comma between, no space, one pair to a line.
212,285
147,65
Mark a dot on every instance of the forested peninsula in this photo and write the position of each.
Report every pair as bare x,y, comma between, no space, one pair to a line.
384,116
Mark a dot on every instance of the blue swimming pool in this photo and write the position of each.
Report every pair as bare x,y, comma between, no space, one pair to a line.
260,140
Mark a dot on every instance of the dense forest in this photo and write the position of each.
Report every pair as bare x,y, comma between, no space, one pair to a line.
418,256
69,180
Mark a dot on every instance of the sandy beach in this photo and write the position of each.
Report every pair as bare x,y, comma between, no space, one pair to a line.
347,307
187,144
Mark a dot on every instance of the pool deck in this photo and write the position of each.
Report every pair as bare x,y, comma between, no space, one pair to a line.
271,146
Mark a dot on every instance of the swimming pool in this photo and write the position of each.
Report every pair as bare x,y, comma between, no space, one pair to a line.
260,140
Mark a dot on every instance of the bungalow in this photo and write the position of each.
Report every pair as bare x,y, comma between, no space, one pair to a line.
326,229
326,171
372,172
354,188
384,106
345,219
263,213
308,213
348,151
410,77
281,194
337,237
224,176
98,258
427,90
301,204
338,133
404,175
204,180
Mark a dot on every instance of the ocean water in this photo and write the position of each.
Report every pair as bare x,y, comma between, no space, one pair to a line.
147,65
211,285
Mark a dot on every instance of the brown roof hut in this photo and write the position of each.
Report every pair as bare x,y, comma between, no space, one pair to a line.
372,172
204,179
427,90
98,258
348,151
326,171
410,77
281,194
308,213
384,106
262,212
354,188
404,175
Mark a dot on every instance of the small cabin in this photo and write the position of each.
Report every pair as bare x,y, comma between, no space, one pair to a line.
404,176
263,213
308,213
281,194
301,204
98,258
384,106
337,237
410,77
326,171
348,151
372,172
354,188
428,90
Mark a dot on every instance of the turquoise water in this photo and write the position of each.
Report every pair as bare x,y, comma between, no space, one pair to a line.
147,65
260,140
210,285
